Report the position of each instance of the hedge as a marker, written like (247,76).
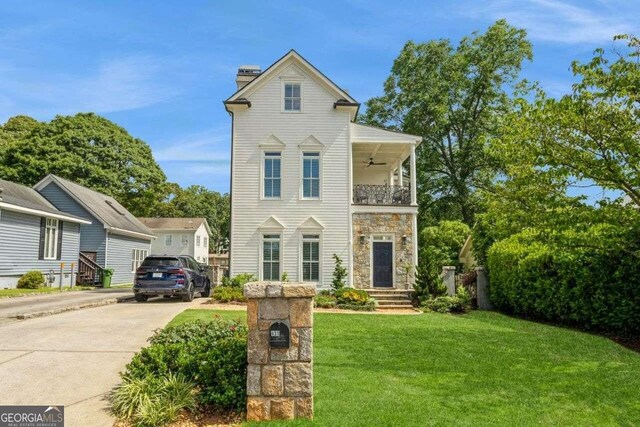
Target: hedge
(589,286)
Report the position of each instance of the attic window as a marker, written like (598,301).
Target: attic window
(110,203)
(292,97)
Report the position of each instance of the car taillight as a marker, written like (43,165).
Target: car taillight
(176,272)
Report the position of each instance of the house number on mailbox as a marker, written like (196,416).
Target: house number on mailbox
(279,335)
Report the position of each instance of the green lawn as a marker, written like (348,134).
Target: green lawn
(8,293)
(478,369)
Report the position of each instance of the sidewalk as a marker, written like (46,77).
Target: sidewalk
(47,304)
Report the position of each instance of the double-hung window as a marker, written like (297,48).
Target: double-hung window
(272,174)
(185,240)
(311,175)
(51,239)
(271,257)
(198,241)
(292,97)
(137,256)
(168,239)
(310,258)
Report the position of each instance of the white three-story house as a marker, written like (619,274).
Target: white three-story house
(308,182)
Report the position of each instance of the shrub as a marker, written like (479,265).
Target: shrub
(228,294)
(568,281)
(153,401)
(339,274)
(445,304)
(31,280)
(352,296)
(354,299)
(238,281)
(212,355)
(325,301)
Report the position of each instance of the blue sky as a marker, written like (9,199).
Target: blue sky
(162,69)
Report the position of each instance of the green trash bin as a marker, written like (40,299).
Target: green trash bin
(106,277)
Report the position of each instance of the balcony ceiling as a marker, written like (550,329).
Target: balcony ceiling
(381,153)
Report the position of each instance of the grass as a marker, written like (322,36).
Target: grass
(9,293)
(483,368)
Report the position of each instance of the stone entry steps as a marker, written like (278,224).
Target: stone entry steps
(391,299)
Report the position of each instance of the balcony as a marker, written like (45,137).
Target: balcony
(389,195)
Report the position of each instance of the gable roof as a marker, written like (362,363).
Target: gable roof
(175,224)
(292,56)
(20,198)
(105,209)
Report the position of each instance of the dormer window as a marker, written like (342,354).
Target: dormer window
(292,97)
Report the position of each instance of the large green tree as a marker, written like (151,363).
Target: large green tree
(87,149)
(551,147)
(454,97)
(198,201)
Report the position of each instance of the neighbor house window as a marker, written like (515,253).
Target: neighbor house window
(185,240)
(168,239)
(51,239)
(271,257)
(311,175)
(198,241)
(272,174)
(292,97)
(137,256)
(310,258)
(206,243)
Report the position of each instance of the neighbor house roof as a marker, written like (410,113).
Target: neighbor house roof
(105,209)
(20,198)
(175,224)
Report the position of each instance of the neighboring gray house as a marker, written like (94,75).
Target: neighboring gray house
(115,238)
(34,235)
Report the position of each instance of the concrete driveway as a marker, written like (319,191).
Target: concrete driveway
(73,358)
(36,305)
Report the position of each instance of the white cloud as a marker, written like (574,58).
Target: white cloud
(558,21)
(211,145)
(114,85)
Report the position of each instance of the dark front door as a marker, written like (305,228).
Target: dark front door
(383,264)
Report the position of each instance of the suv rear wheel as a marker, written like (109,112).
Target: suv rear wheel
(188,297)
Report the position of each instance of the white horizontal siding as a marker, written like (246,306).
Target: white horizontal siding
(20,244)
(252,127)
(175,248)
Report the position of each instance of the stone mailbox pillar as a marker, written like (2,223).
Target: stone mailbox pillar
(279,350)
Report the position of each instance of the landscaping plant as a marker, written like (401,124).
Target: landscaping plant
(339,274)
(31,280)
(208,356)
(232,289)
(153,401)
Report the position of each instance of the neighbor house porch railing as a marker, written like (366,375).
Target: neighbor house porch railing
(364,194)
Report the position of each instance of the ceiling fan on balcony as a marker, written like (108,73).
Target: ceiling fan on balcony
(372,163)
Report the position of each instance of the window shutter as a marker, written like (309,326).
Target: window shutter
(43,225)
(60,239)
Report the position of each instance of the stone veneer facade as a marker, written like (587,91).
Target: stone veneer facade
(369,224)
(279,380)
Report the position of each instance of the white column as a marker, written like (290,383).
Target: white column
(390,176)
(412,165)
(400,177)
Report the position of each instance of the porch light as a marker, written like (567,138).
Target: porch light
(362,239)
(404,240)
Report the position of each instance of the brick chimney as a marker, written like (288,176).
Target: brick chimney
(246,73)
